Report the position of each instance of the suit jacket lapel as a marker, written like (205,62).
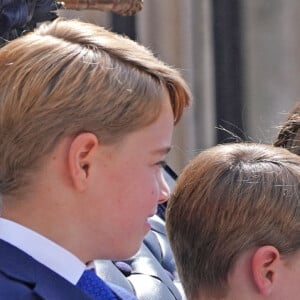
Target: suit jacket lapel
(46,283)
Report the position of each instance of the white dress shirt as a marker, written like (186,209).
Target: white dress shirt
(43,250)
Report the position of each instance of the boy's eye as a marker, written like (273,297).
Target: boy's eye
(161,163)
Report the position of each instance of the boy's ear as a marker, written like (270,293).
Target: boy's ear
(81,152)
(265,268)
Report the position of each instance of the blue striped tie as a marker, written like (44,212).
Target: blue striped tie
(95,287)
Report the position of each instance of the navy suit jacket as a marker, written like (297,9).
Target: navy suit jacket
(24,278)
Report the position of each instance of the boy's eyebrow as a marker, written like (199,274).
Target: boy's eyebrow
(162,151)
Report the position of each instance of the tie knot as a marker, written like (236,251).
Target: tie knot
(94,286)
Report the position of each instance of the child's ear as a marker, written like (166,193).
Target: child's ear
(265,268)
(80,157)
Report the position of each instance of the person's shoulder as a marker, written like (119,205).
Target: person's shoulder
(121,292)
(11,289)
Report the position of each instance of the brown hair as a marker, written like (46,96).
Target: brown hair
(70,77)
(289,135)
(229,199)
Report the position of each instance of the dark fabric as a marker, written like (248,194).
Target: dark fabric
(24,278)
(13,15)
(91,284)
(45,10)
(20,16)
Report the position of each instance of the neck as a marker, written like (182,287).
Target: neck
(47,210)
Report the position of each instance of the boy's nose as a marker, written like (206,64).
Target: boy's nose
(165,191)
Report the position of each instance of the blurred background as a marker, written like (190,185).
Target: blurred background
(240,58)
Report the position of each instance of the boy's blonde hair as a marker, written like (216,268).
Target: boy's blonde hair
(70,77)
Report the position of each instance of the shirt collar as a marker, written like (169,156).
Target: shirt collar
(45,251)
